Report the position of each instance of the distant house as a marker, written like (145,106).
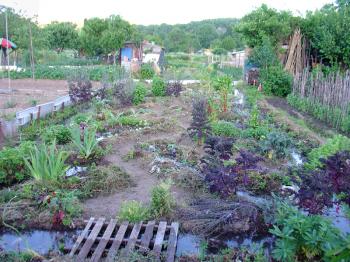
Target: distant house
(132,56)
(154,54)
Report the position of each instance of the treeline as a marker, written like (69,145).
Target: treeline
(98,36)
(326,30)
(218,34)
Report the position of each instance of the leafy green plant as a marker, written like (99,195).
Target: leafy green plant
(332,146)
(276,145)
(276,81)
(223,85)
(84,139)
(224,128)
(80,87)
(133,212)
(158,86)
(147,71)
(46,163)
(304,238)
(139,94)
(12,165)
(60,133)
(64,206)
(161,200)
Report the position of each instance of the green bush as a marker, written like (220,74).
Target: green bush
(276,81)
(147,71)
(161,200)
(46,163)
(133,212)
(331,147)
(12,165)
(158,86)
(60,133)
(139,94)
(223,128)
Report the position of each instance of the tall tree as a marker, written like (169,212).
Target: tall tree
(266,22)
(91,36)
(61,35)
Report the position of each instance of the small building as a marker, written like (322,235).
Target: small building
(238,58)
(130,56)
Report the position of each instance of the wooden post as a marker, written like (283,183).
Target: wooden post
(38,114)
(2,136)
(31,51)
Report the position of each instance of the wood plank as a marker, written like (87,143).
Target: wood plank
(81,237)
(132,239)
(147,236)
(91,239)
(117,241)
(158,243)
(170,256)
(103,242)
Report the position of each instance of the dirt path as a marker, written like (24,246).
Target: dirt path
(138,169)
(296,121)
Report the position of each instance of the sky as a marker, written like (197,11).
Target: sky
(152,11)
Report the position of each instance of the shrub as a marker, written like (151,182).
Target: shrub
(161,200)
(80,87)
(276,81)
(147,71)
(276,145)
(12,165)
(133,212)
(332,146)
(60,133)
(46,163)
(264,55)
(158,86)
(84,138)
(223,128)
(173,88)
(139,94)
(302,237)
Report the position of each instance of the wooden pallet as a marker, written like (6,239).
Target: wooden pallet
(108,239)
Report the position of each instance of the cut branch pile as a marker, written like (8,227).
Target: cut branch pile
(215,217)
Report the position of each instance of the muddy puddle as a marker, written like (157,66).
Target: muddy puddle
(190,244)
(41,241)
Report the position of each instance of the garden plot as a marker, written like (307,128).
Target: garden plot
(216,160)
(27,93)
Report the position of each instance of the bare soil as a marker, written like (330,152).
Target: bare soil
(24,91)
(172,123)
